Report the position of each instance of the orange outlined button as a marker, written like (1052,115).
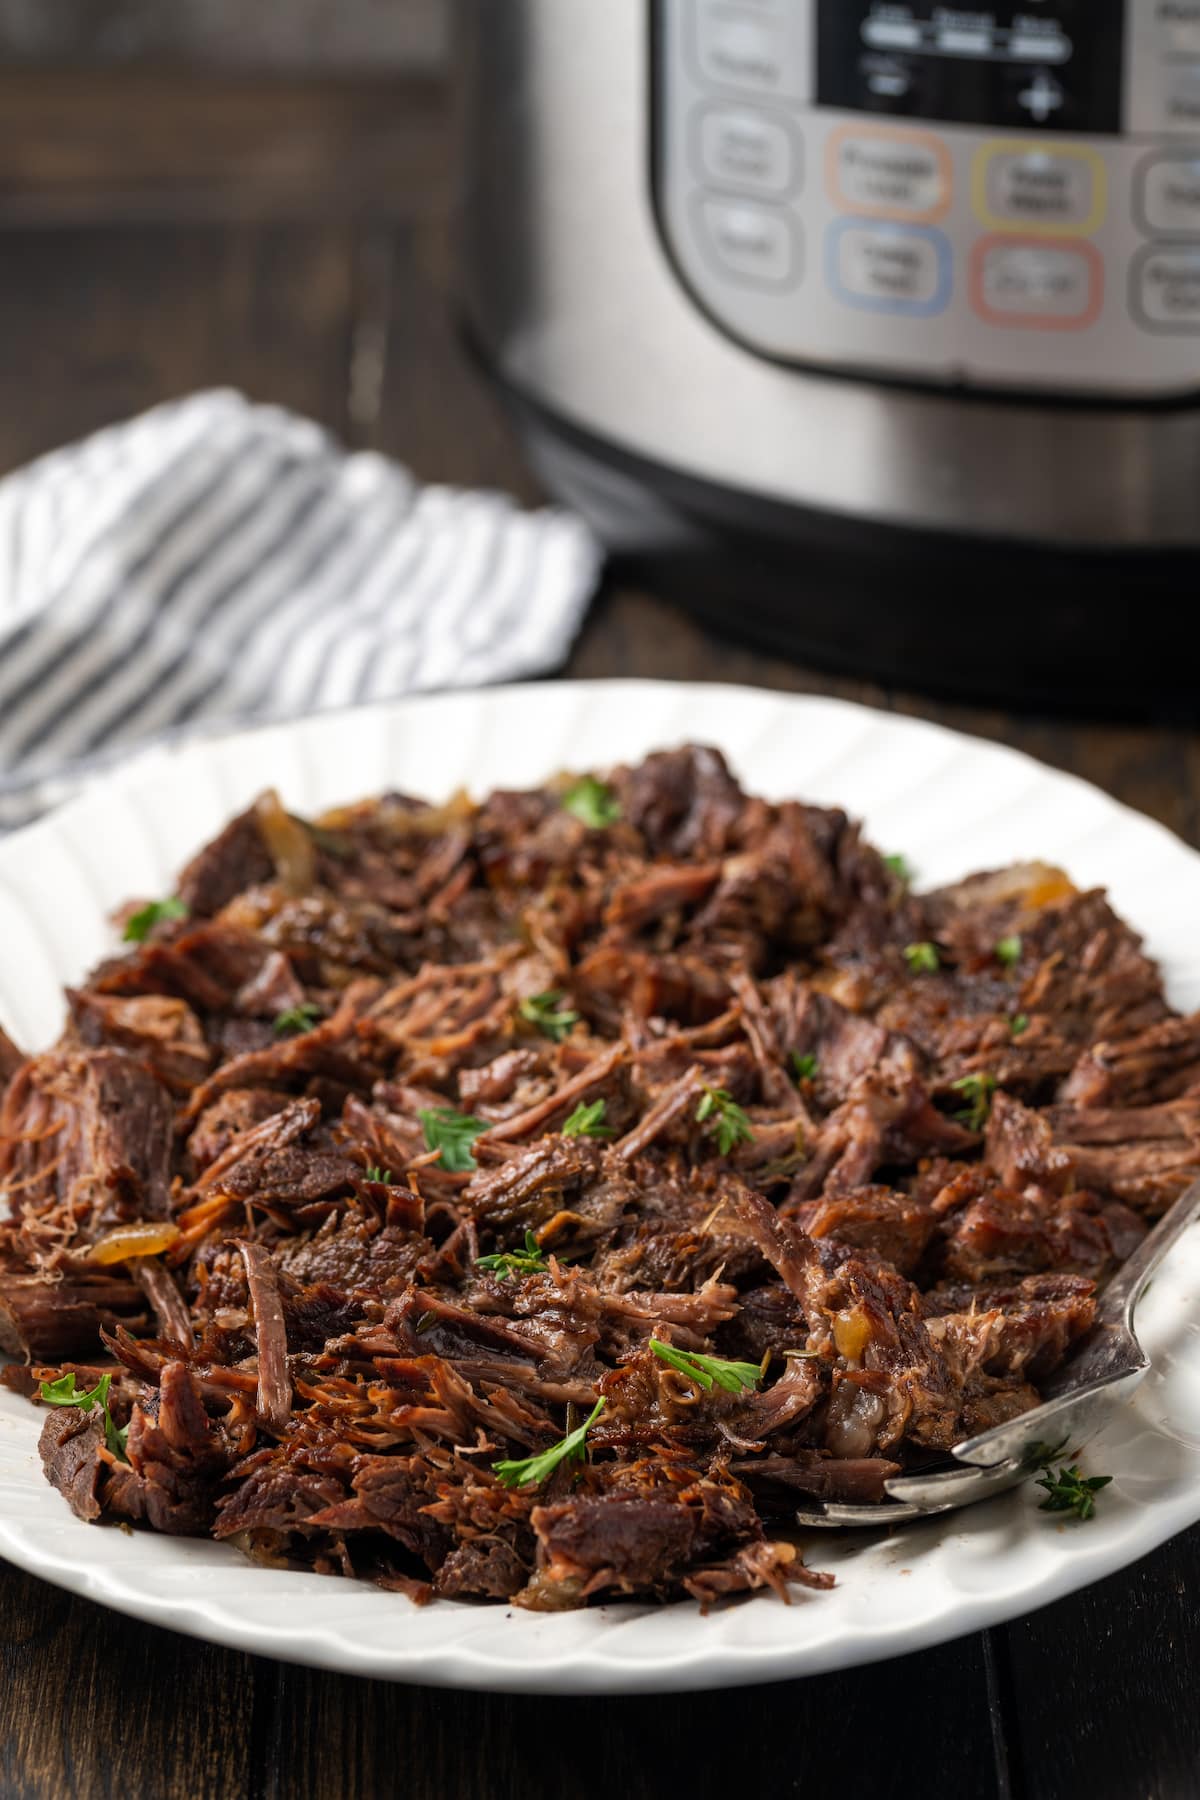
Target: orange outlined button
(1039,283)
(1035,188)
(904,175)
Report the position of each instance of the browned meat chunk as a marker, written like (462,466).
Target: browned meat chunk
(237,858)
(89,1130)
(71,1448)
(1157,1064)
(892,1225)
(163,1033)
(1144,1156)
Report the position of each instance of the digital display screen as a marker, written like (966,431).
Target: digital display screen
(1043,67)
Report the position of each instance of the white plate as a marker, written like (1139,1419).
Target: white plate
(951,805)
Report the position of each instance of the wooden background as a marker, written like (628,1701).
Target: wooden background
(292,238)
(369,36)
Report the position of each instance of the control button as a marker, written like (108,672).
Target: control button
(734,147)
(889,174)
(1181,96)
(739,48)
(1045,286)
(1179,27)
(1165,286)
(1028,187)
(1167,200)
(889,268)
(1162,76)
(758,244)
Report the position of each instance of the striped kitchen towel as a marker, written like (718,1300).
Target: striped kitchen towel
(216,560)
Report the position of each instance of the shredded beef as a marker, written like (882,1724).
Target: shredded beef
(449,1131)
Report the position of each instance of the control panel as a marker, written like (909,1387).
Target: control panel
(1007,195)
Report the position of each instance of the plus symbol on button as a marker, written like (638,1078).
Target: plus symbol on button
(1042,97)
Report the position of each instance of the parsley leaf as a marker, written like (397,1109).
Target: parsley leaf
(805,1067)
(297,1019)
(729,1124)
(1070,1492)
(977,1091)
(901,868)
(710,1371)
(922,959)
(1008,950)
(529,1261)
(532,1470)
(452,1133)
(64,1392)
(587,1121)
(141,924)
(592,802)
(551,1019)
(1020,1024)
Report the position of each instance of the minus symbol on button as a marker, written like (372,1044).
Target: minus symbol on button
(1043,48)
(956,42)
(892,34)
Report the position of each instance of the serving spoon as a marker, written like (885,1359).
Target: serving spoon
(1108,1365)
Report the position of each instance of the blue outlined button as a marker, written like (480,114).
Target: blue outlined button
(890,268)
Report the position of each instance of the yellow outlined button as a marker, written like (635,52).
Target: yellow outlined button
(1032,187)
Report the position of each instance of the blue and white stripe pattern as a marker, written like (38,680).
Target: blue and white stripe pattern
(216,560)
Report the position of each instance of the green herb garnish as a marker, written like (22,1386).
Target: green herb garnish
(587,1121)
(725,1118)
(139,927)
(1008,950)
(900,868)
(551,1019)
(977,1091)
(1070,1492)
(529,1261)
(1020,1024)
(297,1018)
(592,802)
(710,1371)
(532,1470)
(64,1392)
(922,959)
(805,1067)
(452,1133)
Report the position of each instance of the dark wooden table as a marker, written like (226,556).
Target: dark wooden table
(157,236)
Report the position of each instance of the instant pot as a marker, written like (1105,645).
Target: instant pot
(872,329)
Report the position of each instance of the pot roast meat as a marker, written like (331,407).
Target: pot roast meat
(236,859)
(72,1451)
(1144,1156)
(174,1460)
(432,1129)
(47,1316)
(1159,1063)
(10,1060)
(87,1133)
(270,1333)
(893,1225)
(164,1033)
